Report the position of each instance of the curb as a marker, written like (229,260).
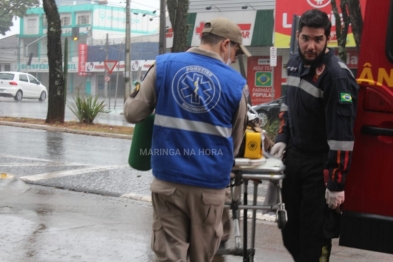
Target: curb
(65,130)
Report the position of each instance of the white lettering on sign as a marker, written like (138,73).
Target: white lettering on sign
(261,68)
(263,61)
(318,3)
(352,60)
(262,95)
(261,89)
(285,23)
(246,34)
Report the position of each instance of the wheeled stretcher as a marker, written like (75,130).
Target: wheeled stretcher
(255,170)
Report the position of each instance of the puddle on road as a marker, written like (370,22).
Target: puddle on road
(11,186)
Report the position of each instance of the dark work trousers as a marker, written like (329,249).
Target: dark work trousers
(303,193)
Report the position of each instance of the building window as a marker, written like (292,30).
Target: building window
(5,67)
(23,78)
(33,80)
(32,26)
(83,19)
(65,20)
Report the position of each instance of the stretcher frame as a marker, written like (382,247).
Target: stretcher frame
(245,170)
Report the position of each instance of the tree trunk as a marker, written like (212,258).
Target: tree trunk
(355,13)
(341,27)
(351,13)
(56,102)
(178,10)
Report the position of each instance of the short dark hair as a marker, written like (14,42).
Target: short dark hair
(209,38)
(316,19)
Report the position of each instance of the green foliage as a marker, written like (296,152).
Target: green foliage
(5,23)
(271,128)
(10,9)
(86,109)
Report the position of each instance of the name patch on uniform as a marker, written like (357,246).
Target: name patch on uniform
(346,98)
(136,90)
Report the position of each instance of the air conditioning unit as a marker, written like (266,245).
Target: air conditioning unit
(102,2)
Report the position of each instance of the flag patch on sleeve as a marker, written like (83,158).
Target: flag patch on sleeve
(345,98)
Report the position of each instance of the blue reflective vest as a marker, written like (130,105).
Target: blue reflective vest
(197,97)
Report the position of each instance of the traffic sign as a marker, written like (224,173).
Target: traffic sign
(110,65)
(273,56)
(107,78)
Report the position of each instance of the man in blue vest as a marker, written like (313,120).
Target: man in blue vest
(200,118)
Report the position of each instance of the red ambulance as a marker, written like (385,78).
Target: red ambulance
(367,220)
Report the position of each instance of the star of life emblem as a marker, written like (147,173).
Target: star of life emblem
(196,89)
(318,3)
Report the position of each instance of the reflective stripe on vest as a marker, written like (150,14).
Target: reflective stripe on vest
(189,125)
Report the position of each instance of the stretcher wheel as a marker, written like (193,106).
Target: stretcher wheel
(281,218)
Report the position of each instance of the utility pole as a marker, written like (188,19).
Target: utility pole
(162,40)
(106,71)
(117,76)
(127,62)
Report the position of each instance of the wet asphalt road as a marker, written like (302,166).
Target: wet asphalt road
(78,162)
(49,224)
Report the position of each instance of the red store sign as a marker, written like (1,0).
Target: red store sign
(286,9)
(82,59)
(264,81)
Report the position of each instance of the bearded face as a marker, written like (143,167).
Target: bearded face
(314,62)
(312,45)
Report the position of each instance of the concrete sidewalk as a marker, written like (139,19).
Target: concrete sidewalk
(65,130)
(38,110)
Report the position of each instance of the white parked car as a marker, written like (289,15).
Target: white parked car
(21,85)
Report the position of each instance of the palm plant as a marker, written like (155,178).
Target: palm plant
(86,109)
(271,128)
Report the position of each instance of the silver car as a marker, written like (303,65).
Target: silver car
(21,85)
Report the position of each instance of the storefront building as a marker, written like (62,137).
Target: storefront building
(94,22)
(266,28)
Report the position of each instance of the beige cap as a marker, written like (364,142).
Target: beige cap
(224,27)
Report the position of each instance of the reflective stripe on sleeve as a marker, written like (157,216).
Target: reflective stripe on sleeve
(341,145)
(293,80)
(283,107)
(190,125)
(343,65)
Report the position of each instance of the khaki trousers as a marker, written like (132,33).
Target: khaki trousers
(186,222)
(227,221)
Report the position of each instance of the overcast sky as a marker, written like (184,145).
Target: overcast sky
(137,4)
